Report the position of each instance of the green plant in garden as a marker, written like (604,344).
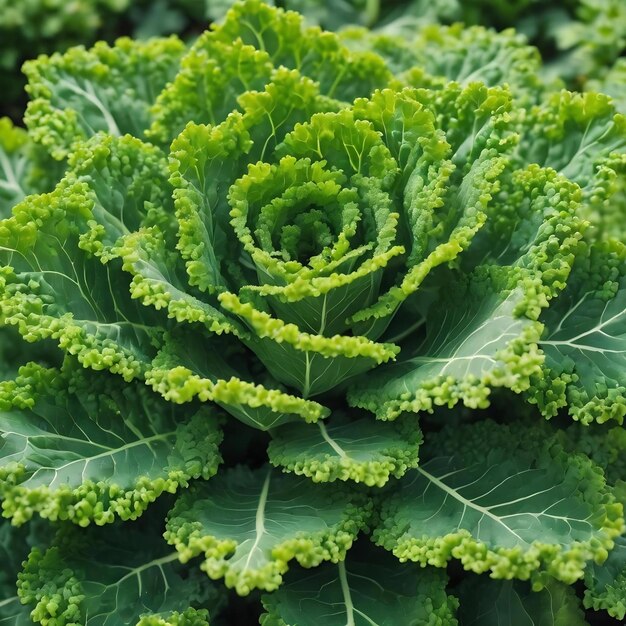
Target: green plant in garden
(265,308)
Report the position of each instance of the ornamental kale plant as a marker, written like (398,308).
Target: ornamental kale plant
(327,328)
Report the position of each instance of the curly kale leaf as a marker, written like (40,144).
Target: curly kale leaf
(361,449)
(75,446)
(60,275)
(239,56)
(14,166)
(583,137)
(433,55)
(311,285)
(368,590)
(478,329)
(24,167)
(230,377)
(584,340)
(474,340)
(249,524)
(606,583)
(107,88)
(15,544)
(98,577)
(502,501)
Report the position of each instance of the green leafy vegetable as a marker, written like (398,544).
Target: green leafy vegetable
(485,602)
(460,505)
(108,88)
(606,583)
(351,592)
(584,341)
(251,524)
(96,452)
(344,449)
(385,266)
(98,578)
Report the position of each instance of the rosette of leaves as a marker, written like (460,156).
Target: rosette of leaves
(289,229)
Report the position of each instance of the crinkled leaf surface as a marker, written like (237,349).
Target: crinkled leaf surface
(478,54)
(105,577)
(505,506)
(74,446)
(362,450)
(60,278)
(469,345)
(248,524)
(15,544)
(107,88)
(606,583)
(239,55)
(480,330)
(575,134)
(187,368)
(435,55)
(584,340)
(292,292)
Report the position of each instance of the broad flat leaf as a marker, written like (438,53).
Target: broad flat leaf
(505,503)
(474,339)
(362,450)
(106,577)
(375,591)
(74,446)
(107,88)
(584,340)
(486,602)
(606,583)
(248,524)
